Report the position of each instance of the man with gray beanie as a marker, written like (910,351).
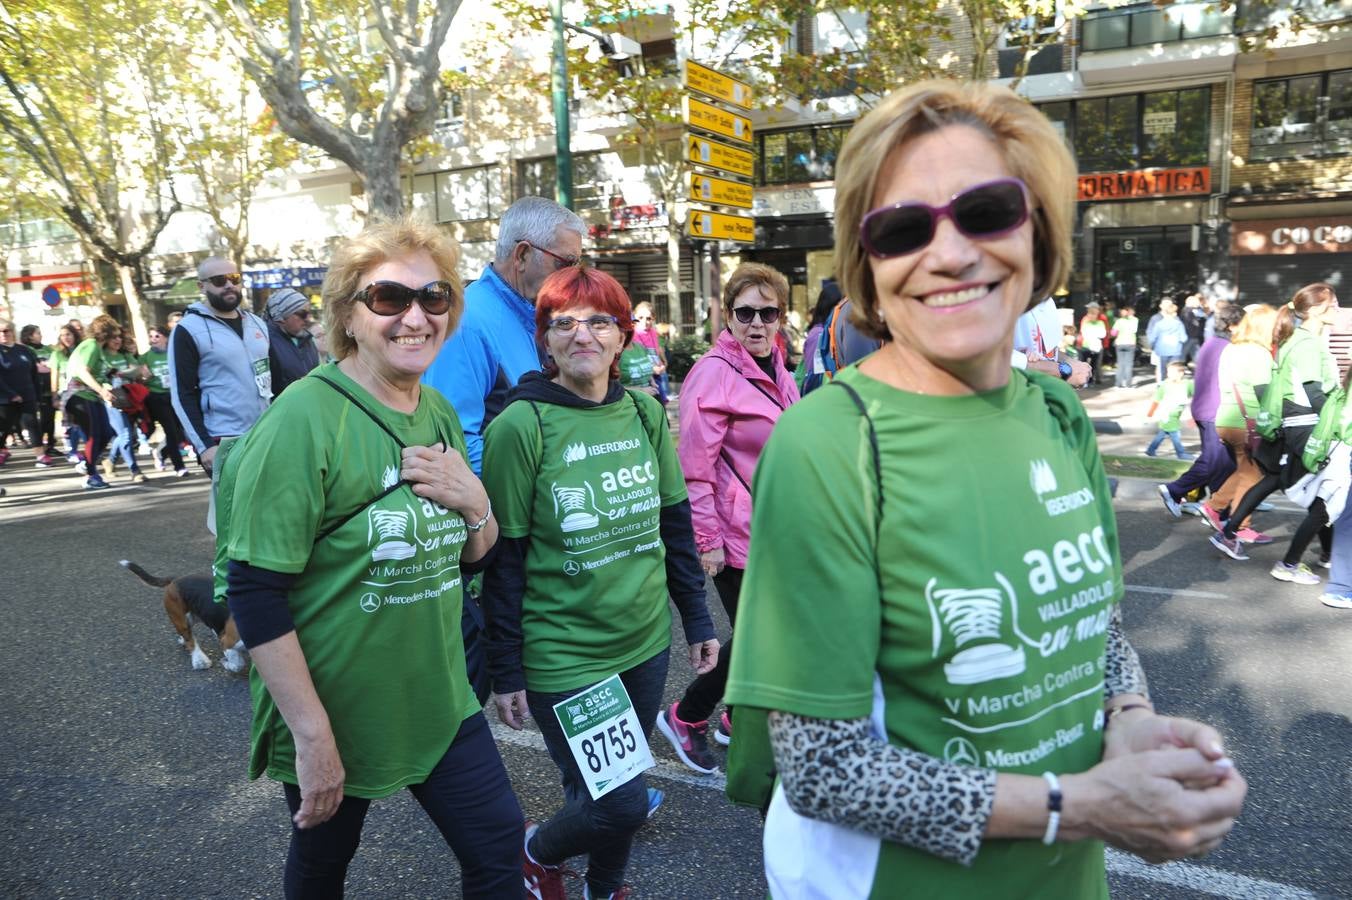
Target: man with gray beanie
(291,348)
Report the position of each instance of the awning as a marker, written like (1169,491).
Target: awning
(289,276)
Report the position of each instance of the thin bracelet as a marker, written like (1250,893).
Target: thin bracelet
(1118,710)
(1053,808)
(479,525)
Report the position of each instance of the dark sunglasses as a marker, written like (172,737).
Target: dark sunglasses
(390,298)
(560,262)
(220,280)
(983,212)
(745,314)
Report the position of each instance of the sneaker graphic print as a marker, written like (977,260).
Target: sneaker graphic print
(973,616)
(572,503)
(393,528)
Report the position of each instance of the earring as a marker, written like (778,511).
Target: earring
(349,333)
(881,318)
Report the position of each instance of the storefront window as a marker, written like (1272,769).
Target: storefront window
(1105,134)
(1174,128)
(794,157)
(1136,131)
(1306,116)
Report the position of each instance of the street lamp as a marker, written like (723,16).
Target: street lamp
(616,47)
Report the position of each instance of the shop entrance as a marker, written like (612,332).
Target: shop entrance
(1140,266)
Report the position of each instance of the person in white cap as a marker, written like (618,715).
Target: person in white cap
(291,347)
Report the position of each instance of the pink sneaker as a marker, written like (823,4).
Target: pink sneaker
(690,740)
(1249,536)
(1211,517)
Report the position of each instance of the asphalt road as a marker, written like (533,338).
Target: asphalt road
(122,769)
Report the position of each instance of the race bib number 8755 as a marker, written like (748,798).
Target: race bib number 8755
(603,734)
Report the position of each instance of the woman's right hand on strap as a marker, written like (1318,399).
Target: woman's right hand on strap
(512,709)
(320,773)
(1139,803)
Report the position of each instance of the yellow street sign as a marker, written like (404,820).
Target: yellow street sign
(716,119)
(712,226)
(716,155)
(713,83)
(719,191)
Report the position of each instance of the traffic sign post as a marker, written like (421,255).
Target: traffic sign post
(712,83)
(713,191)
(715,226)
(717,155)
(716,120)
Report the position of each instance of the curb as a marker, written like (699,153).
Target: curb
(1113,426)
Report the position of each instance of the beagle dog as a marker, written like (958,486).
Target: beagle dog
(192,597)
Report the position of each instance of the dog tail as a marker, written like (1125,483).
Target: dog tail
(144,575)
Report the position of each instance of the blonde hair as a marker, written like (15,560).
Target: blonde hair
(1032,150)
(749,274)
(103,329)
(382,241)
(1266,326)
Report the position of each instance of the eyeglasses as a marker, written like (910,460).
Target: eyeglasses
(560,262)
(598,325)
(747,314)
(390,298)
(220,280)
(984,212)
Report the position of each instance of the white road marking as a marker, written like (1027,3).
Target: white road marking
(1190,875)
(1176,592)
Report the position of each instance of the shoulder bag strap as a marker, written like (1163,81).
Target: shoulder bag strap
(877,466)
(768,395)
(394,437)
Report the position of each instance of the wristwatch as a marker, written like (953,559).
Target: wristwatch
(1064,368)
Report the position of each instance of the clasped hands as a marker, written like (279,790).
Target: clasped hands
(1164,790)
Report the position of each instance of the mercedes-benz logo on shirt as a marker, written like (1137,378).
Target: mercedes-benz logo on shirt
(370,602)
(571,568)
(961,751)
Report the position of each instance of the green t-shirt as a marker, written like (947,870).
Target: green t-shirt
(972,629)
(157,361)
(587,487)
(1310,360)
(377,604)
(119,363)
(1243,368)
(636,366)
(90,355)
(1172,398)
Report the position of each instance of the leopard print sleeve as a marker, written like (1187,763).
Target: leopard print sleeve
(835,770)
(1122,672)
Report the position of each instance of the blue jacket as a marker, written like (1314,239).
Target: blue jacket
(485,358)
(1167,336)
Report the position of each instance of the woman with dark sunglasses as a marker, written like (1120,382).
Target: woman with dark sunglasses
(596,537)
(730,401)
(929,638)
(348,521)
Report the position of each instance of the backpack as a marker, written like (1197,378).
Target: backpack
(1268,419)
(1326,432)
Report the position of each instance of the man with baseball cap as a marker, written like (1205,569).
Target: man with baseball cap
(291,348)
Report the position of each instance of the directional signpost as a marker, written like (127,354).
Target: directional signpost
(719,141)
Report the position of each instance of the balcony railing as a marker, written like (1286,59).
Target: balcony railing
(1141,26)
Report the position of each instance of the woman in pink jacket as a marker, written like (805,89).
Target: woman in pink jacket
(730,401)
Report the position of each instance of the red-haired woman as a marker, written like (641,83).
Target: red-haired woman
(596,532)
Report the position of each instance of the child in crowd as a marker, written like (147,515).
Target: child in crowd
(1068,341)
(1171,397)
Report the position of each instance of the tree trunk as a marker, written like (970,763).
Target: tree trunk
(383,196)
(126,277)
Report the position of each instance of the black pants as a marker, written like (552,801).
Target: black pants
(467,796)
(603,829)
(707,689)
(93,421)
(161,409)
(1316,522)
(42,430)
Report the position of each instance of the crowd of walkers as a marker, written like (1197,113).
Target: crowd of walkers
(1265,383)
(364,516)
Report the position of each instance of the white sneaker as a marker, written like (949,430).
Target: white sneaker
(1337,601)
(1297,574)
(1170,503)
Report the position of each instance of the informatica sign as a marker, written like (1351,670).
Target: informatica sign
(1143,183)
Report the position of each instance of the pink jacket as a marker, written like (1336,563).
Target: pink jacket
(728,407)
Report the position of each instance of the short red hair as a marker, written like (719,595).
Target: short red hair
(575,286)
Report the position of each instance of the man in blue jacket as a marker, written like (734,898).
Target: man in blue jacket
(495,343)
